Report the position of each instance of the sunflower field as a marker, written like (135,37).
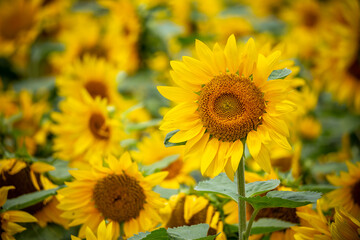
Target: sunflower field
(180,119)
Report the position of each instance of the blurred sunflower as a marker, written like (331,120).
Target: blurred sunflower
(347,195)
(85,130)
(9,218)
(281,213)
(341,68)
(224,99)
(94,75)
(104,232)
(345,226)
(118,193)
(152,150)
(28,178)
(187,210)
(316,225)
(19,25)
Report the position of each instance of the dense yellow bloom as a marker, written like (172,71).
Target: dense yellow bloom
(224,98)
(347,195)
(87,125)
(9,218)
(28,178)
(152,150)
(187,210)
(118,193)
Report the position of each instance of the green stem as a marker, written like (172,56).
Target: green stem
(241,191)
(121,237)
(250,223)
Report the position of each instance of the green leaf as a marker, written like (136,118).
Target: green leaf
(163,163)
(51,231)
(165,192)
(61,172)
(323,188)
(159,234)
(279,74)
(286,199)
(35,84)
(259,187)
(29,199)
(167,139)
(189,232)
(266,225)
(220,184)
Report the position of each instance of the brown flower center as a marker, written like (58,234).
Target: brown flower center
(98,127)
(174,169)
(310,18)
(355,193)
(23,185)
(285,214)
(96,88)
(96,51)
(17,21)
(230,107)
(354,68)
(119,197)
(177,217)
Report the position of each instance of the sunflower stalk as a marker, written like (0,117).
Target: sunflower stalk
(250,223)
(240,173)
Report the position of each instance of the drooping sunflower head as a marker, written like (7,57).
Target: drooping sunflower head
(89,126)
(118,193)
(225,100)
(187,210)
(152,150)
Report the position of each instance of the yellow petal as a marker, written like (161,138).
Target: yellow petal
(156,178)
(3,194)
(263,159)
(177,94)
(237,154)
(20,216)
(249,58)
(232,54)
(41,167)
(182,136)
(19,165)
(90,235)
(253,142)
(209,154)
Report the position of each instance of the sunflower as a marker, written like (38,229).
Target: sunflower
(24,18)
(347,195)
(345,226)
(285,214)
(187,210)
(338,67)
(224,99)
(85,130)
(104,232)
(315,225)
(28,178)
(152,150)
(118,193)
(9,218)
(94,75)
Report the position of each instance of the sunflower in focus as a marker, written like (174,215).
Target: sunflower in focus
(104,232)
(225,100)
(347,196)
(118,193)
(88,125)
(9,218)
(94,75)
(345,226)
(152,150)
(28,178)
(187,210)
